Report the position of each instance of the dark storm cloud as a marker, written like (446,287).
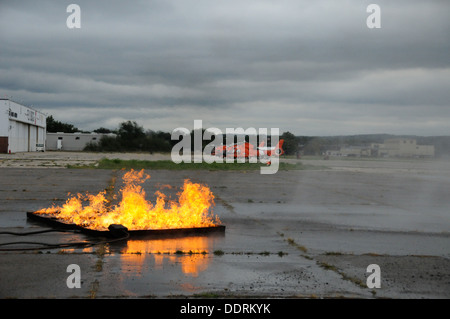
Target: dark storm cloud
(311,67)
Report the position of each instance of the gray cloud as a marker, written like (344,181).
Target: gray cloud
(310,67)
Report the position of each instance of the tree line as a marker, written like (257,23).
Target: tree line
(131,137)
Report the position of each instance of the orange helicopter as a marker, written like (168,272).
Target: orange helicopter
(247,150)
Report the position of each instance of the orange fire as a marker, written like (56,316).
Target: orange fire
(193,208)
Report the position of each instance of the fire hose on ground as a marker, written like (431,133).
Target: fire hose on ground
(118,232)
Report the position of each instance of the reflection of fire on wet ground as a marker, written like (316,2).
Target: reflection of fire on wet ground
(193,253)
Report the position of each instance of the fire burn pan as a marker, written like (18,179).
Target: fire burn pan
(149,233)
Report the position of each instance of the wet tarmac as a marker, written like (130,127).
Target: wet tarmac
(309,233)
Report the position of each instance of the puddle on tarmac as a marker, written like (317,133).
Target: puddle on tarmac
(161,265)
(191,255)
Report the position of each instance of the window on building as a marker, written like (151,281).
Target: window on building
(77,138)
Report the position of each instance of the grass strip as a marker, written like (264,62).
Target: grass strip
(169,165)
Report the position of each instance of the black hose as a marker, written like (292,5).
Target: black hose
(126,235)
(32,232)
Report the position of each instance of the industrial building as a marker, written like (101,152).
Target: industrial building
(394,147)
(72,141)
(356,151)
(22,128)
(402,147)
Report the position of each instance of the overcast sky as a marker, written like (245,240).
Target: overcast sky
(309,67)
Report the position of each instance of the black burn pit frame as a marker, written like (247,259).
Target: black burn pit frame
(115,230)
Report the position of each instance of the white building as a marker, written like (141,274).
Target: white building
(402,147)
(72,141)
(394,147)
(355,151)
(22,128)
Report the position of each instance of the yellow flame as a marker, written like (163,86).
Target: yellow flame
(193,208)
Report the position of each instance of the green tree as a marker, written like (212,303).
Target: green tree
(131,136)
(103,130)
(290,145)
(157,141)
(54,126)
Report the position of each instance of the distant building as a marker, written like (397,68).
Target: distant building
(402,147)
(395,147)
(332,153)
(350,151)
(355,151)
(72,141)
(22,128)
